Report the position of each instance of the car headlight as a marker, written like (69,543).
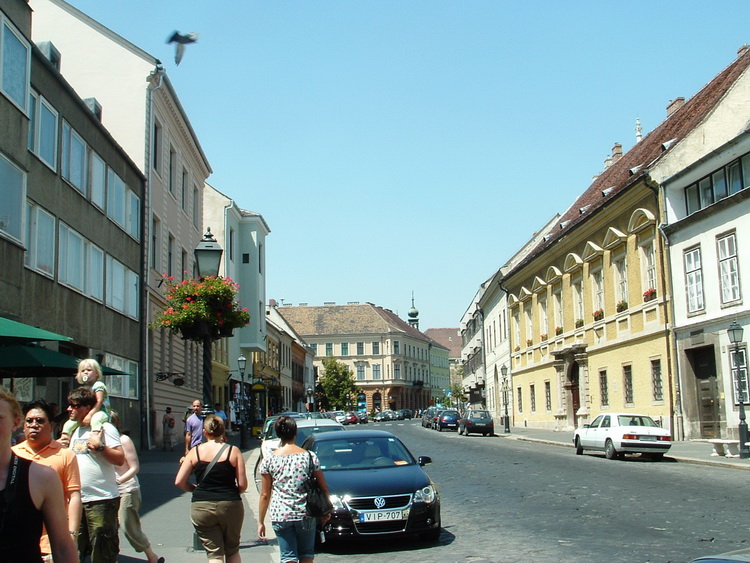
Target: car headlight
(337,501)
(426,494)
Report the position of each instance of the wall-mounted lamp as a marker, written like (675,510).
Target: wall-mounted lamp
(178,378)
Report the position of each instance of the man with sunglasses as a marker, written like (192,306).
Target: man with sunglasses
(98,454)
(41,448)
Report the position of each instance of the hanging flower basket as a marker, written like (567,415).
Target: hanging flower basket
(200,308)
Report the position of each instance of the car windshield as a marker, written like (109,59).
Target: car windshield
(449,413)
(362,453)
(303,432)
(480,414)
(635,420)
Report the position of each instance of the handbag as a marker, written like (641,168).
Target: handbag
(318,503)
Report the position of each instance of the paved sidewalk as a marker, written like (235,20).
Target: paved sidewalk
(690,451)
(166,513)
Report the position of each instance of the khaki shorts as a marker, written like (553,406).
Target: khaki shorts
(218,525)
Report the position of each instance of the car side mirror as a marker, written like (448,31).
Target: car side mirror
(424,460)
(587,426)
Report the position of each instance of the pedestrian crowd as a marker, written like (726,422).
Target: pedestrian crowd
(68,487)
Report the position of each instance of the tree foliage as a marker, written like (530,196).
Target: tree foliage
(337,381)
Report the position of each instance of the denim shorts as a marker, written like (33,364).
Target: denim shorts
(296,538)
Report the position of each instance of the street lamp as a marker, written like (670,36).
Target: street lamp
(735,332)
(244,439)
(207,258)
(310,400)
(506,389)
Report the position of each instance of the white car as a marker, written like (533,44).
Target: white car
(616,434)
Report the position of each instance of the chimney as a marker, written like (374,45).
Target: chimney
(616,152)
(674,105)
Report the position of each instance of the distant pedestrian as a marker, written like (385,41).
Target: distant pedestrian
(130,497)
(284,490)
(30,493)
(169,430)
(41,448)
(216,510)
(194,428)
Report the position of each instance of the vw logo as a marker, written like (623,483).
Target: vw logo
(379,502)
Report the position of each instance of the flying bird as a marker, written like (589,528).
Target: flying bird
(180,40)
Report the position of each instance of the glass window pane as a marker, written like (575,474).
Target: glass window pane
(746,171)
(11,196)
(47,134)
(98,180)
(693,200)
(15,68)
(720,184)
(735,178)
(707,194)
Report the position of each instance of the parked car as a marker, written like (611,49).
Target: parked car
(376,485)
(351,418)
(476,421)
(447,418)
(427,417)
(339,416)
(619,433)
(384,415)
(405,414)
(729,557)
(362,416)
(305,427)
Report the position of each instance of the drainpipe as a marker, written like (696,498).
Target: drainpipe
(675,400)
(146,437)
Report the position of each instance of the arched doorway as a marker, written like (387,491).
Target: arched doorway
(377,401)
(574,389)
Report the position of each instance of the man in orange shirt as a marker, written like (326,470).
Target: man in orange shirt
(39,447)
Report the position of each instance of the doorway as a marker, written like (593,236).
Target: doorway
(703,362)
(575,396)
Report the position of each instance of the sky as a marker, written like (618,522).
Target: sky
(412,147)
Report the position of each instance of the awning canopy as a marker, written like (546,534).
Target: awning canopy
(12,332)
(28,360)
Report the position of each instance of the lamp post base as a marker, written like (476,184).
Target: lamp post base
(744,451)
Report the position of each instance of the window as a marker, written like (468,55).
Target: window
(729,275)
(376,348)
(170,256)
(314,348)
(532,397)
(517,328)
(396,347)
(344,348)
(694,280)
(80,263)
(627,384)
(12,194)
(360,372)
(98,179)
(155,244)
(172,178)
(543,323)
(547,396)
(183,264)
(15,57)
(360,348)
(122,288)
(529,327)
(43,121)
(520,400)
(376,371)
(558,301)
(122,385)
(739,374)
(329,348)
(597,288)
(197,207)
(156,148)
(184,189)
(603,388)
(649,266)
(721,183)
(397,371)
(578,299)
(74,152)
(621,289)
(656,383)
(40,241)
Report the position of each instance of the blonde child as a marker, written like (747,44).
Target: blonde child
(90,373)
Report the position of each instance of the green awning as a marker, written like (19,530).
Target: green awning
(28,360)
(12,332)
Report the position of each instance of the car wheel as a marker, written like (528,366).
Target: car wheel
(657,456)
(432,535)
(579,448)
(439,428)
(610,451)
(486,434)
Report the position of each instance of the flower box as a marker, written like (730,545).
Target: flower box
(558,330)
(542,337)
(529,342)
(598,314)
(622,306)
(517,348)
(649,295)
(579,323)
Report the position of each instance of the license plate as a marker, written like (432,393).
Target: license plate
(479,424)
(648,438)
(381,515)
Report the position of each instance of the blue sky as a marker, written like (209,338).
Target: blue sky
(399,146)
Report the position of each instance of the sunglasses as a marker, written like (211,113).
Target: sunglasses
(37,420)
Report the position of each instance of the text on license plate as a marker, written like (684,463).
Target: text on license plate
(648,438)
(381,515)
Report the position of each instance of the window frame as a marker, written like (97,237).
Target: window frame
(696,304)
(22,102)
(731,261)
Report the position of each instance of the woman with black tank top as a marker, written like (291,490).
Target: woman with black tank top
(216,510)
(30,494)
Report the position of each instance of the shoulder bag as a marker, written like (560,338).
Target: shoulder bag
(210,466)
(318,503)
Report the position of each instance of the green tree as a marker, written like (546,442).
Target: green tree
(457,395)
(337,381)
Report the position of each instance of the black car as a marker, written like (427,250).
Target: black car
(376,485)
(476,421)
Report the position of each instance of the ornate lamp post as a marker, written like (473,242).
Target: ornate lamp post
(244,439)
(310,400)
(735,333)
(506,390)
(207,258)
